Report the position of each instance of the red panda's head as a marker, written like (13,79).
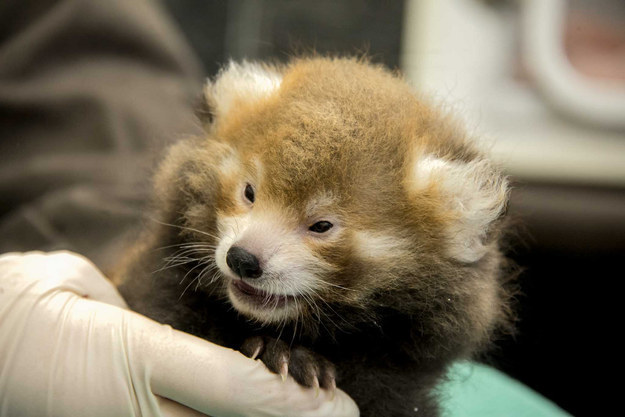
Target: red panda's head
(328,182)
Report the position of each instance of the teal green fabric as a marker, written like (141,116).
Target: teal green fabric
(475,390)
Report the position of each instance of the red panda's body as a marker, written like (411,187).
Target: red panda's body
(329,208)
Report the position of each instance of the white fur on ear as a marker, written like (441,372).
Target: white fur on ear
(247,81)
(476,192)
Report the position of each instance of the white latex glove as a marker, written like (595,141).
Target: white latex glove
(69,347)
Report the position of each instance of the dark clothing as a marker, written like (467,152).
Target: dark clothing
(90,91)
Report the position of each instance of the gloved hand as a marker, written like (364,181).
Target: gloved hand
(69,347)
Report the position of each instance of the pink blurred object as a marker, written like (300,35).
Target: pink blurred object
(595,46)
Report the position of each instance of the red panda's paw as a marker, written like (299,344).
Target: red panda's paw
(305,366)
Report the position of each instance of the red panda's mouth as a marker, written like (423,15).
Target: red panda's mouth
(258,297)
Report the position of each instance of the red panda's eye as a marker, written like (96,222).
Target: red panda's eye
(249,193)
(321,227)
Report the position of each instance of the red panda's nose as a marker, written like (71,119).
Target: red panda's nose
(243,263)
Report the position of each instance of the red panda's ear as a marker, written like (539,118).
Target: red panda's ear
(234,84)
(474,193)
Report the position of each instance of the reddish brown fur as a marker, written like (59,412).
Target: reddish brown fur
(354,131)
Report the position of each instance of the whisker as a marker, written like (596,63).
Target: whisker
(208,269)
(338,286)
(172,265)
(185,277)
(184,228)
(183,245)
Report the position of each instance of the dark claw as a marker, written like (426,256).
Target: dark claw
(305,366)
(253,347)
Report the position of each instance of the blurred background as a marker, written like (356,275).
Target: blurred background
(542,82)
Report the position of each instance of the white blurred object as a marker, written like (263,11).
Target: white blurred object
(465,55)
(68,347)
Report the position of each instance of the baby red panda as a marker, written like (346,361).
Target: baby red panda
(331,224)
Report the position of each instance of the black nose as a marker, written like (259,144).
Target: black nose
(243,263)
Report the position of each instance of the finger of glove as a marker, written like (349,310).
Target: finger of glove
(171,408)
(223,382)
